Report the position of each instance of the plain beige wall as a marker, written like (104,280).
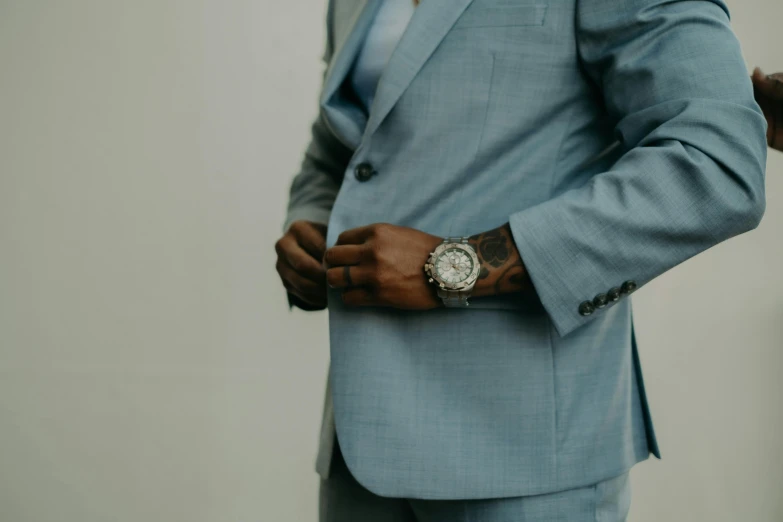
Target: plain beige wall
(149,367)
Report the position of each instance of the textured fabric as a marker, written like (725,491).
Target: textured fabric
(618,139)
(342,499)
(384,35)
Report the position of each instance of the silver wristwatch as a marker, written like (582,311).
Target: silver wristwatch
(454,269)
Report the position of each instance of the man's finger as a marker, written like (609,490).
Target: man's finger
(296,282)
(310,238)
(770,86)
(359,297)
(300,261)
(348,276)
(306,289)
(355,236)
(344,255)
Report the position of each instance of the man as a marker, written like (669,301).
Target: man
(539,161)
(769,95)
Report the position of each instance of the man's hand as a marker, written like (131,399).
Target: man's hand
(769,95)
(299,255)
(383,265)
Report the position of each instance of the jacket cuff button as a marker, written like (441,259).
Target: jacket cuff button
(586,308)
(628,287)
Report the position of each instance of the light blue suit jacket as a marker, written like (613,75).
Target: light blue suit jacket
(618,138)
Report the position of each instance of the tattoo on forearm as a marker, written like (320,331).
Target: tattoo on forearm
(512,277)
(493,247)
(502,270)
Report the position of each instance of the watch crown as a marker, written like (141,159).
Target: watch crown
(430,280)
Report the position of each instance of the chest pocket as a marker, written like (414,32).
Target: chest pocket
(502,16)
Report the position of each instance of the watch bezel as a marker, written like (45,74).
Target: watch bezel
(469,282)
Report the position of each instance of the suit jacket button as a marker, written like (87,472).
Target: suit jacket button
(601,300)
(363,172)
(613,295)
(586,308)
(628,287)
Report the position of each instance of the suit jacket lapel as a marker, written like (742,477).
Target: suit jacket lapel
(347,47)
(430,24)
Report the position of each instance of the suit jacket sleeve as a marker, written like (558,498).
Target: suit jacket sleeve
(692,175)
(314,189)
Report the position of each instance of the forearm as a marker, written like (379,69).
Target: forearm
(502,269)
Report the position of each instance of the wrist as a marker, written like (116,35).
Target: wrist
(501,268)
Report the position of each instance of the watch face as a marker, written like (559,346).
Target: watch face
(454,266)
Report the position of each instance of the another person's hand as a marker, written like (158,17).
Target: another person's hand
(383,265)
(769,95)
(299,262)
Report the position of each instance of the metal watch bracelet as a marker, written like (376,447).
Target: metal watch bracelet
(454,298)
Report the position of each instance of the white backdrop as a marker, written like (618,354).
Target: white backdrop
(149,367)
